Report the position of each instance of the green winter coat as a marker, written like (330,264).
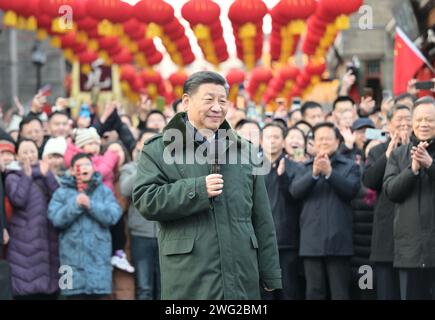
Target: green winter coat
(220,249)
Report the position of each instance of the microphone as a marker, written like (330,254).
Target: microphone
(215,166)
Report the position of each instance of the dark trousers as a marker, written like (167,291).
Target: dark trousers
(145,258)
(387,281)
(38,296)
(291,288)
(118,235)
(323,271)
(87,297)
(417,284)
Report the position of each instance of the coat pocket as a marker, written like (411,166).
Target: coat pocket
(253,237)
(179,246)
(251,231)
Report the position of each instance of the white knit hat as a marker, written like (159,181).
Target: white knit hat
(85,136)
(55,146)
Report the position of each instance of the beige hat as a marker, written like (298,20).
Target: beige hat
(85,136)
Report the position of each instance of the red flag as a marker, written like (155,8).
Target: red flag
(407,60)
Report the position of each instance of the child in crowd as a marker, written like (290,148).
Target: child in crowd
(88,141)
(84,209)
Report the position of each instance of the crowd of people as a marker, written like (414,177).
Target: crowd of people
(349,187)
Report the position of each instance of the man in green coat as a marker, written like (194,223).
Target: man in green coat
(217,238)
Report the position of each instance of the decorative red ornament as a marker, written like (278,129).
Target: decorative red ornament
(156,11)
(51,7)
(201,11)
(12,5)
(134,29)
(235,76)
(124,56)
(330,9)
(88,57)
(244,11)
(127,73)
(106,43)
(113,10)
(178,78)
(32,8)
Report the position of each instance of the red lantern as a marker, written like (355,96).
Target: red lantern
(51,7)
(330,9)
(115,50)
(258,75)
(155,58)
(245,11)
(315,69)
(106,43)
(156,11)
(79,47)
(12,5)
(114,10)
(137,85)
(183,44)
(287,10)
(200,12)
(88,57)
(147,46)
(128,73)
(79,9)
(288,72)
(134,29)
(235,76)
(32,8)
(151,76)
(124,56)
(87,24)
(188,57)
(178,78)
(173,27)
(68,40)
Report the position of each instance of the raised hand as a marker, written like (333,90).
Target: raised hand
(27,167)
(44,167)
(421,155)
(83,200)
(393,144)
(281,167)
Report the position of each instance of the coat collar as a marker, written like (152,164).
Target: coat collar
(70,182)
(415,141)
(178,122)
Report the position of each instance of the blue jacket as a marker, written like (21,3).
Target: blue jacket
(85,241)
(326,218)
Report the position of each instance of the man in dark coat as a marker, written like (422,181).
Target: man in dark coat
(327,187)
(409,182)
(217,239)
(285,209)
(382,245)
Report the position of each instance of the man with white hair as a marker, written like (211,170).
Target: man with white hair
(409,182)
